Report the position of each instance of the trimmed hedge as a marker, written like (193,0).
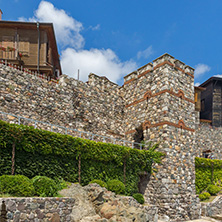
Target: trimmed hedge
(213,189)
(116,186)
(204,196)
(208,172)
(139,197)
(40,152)
(44,186)
(18,185)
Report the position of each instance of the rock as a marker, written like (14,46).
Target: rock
(83,206)
(108,210)
(95,203)
(55,218)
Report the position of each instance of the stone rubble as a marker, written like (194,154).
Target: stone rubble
(105,206)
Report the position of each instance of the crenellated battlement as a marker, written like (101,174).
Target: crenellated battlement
(160,62)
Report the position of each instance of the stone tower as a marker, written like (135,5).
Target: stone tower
(160,100)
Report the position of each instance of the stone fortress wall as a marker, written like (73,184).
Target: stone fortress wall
(161,99)
(208,138)
(157,98)
(96,106)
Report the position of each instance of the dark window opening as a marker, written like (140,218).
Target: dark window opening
(208,154)
(138,136)
(202,105)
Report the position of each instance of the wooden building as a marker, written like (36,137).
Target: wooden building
(197,96)
(211,101)
(31,45)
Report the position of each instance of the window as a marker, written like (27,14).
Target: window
(24,46)
(208,154)
(8,44)
(202,105)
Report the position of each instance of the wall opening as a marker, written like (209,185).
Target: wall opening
(138,136)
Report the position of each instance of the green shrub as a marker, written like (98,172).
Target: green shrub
(116,186)
(44,186)
(100,182)
(213,189)
(208,172)
(139,197)
(61,183)
(17,185)
(204,196)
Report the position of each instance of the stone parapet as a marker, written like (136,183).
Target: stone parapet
(38,209)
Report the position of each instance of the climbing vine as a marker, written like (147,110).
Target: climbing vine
(40,152)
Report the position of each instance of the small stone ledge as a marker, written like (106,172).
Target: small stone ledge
(213,208)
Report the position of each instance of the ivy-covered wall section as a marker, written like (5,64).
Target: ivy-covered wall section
(30,152)
(208,172)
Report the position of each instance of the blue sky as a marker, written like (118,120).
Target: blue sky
(114,37)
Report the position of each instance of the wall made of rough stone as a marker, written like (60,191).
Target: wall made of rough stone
(162,101)
(95,106)
(208,138)
(159,97)
(213,208)
(38,209)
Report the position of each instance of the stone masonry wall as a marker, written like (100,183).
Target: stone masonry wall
(38,209)
(95,106)
(208,138)
(80,204)
(159,97)
(213,208)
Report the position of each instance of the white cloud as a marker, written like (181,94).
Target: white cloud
(95,28)
(197,84)
(73,57)
(200,69)
(145,53)
(103,62)
(67,29)
(218,75)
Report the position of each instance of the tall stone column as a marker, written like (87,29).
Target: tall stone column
(161,99)
(173,126)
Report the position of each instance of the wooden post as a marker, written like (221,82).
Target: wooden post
(13,158)
(124,171)
(79,168)
(212,173)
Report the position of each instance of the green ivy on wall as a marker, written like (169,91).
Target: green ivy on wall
(208,172)
(40,152)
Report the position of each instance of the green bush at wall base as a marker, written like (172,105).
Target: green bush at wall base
(39,152)
(208,172)
(44,186)
(139,197)
(116,186)
(17,185)
(213,189)
(204,196)
(100,182)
